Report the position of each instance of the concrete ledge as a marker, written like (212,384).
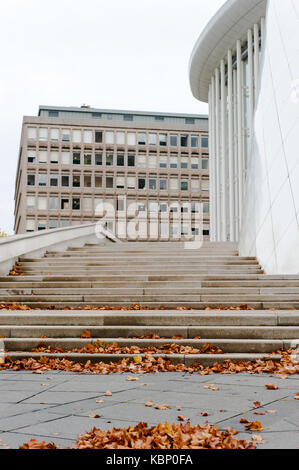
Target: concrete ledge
(35,244)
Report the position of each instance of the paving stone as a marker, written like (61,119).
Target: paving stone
(15,439)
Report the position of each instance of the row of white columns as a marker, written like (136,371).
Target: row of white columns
(232,94)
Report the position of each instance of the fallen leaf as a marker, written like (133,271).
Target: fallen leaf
(271,387)
(92,415)
(137,359)
(149,403)
(271,411)
(259,413)
(132,379)
(100,401)
(182,418)
(161,407)
(204,413)
(257,404)
(86,334)
(257,438)
(108,393)
(244,420)
(296,396)
(254,426)
(211,387)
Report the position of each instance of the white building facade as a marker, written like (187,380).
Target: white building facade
(246,65)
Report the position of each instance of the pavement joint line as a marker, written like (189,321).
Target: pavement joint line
(40,435)
(40,422)
(41,391)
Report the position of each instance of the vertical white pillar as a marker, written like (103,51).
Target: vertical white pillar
(217,153)
(250,82)
(240,130)
(213,175)
(230,147)
(223,154)
(236,160)
(256,58)
(263,31)
(211,170)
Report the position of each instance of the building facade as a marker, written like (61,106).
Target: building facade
(146,175)
(246,65)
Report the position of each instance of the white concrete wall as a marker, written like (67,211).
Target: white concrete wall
(270,228)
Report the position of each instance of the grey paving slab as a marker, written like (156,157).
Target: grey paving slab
(15,439)
(14,423)
(50,397)
(15,409)
(274,440)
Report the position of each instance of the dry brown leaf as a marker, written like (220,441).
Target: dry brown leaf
(271,387)
(161,407)
(92,415)
(211,387)
(182,418)
(100,401)
(86,334)
(244,420)
(108,393)
(296,396)
(254,426)
(257,438)
(149,403)
(204,413)
(257,404)
(132,379)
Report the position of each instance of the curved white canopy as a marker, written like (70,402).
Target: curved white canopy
(229,24)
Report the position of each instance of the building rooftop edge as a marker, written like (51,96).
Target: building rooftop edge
(230,23)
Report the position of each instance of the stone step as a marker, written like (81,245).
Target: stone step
(120,331)
(227,346)
(204,359)
(148,262)
(150,317)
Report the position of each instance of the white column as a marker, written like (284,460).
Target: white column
(240,130)
(263,30)
(256,57)
(251,82)
(217,153)
(213,175)
(211,172)
(236,161)
(230,147)
(223,154)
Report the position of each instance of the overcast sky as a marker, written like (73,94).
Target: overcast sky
(124,54)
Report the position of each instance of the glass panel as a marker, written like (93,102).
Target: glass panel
(43,134)
(66,135)
(42,179)
(205,142)
(141,138)
(131,160)
(109,136)
(42,203)
(194,163)
(184,141)
(141,159)
(53,180)
(98,182)
(98,159)
(30,202)
(31,133)
(141,183)
(87,159)
(53,203)
(77,137)
(109,182)
(194,141)
(152,162)
(120,138)
(163,184)
(76,158)
(65,180)
(152,139)
(153,184)
(184,185)
(163,162)
(88,137)
(98,137)
(76,181)
(109,159)
(174,140)
(163,140)
(65,204)
(87,181)
(76,204)
(54,135)
(173,162)
(120,159)
(131,138)
(205,164)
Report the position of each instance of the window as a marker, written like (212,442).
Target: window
(194,141)
(87,159)
(184,162)
(77,137)
(184,231)
(54,180)
(43,156)
(53,114)
(194,207)
(42,179)
(206,233)
(54,157)
(76,204)
(87,181)
(64,223)
(43,134)
(65,204)
(120,205)
(76,181)
(109,182)
(163,207)
(195,186)
(30,202)
(30,225)
(173,162)
(131,138)
(53,203)
(184,141)
(120,138)
(159,118)
(184,185)
(153,206)
(174,230)
(96,115)
(195,231)
(31,133)
(31,156)
(131,182)
(141,159)
(65,158)
(141,206)
(152,184)
(206,208)
(164,230)
(54,135)
(128,117)
(205,142)
(205,163)
(120,159)
(53,224)
(190,121)
(163,140)
(141,183)
(42,203)
(174,184)
(131,160)
(98,159)
(98,181)
(109,159)
(120,182)
(76,158)
(174,140)
(152,161)
(194,163)
(141,138)
(163,162)
(65,180)
(163,184)
(109,137)
(41,225)
(66,135)
(184,210)
(87,136)
(152,139)
(98,137)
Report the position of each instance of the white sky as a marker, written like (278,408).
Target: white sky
(124,54)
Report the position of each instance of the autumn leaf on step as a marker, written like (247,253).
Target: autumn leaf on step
(108,393)
(132,379)
(244,420)
(257,404)
(211,387)
(204,413)
(271,387)
(92,415)
(182,418)
(86,334)
(137,359)
(254,426)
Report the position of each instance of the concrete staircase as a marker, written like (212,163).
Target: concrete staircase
(153,275)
